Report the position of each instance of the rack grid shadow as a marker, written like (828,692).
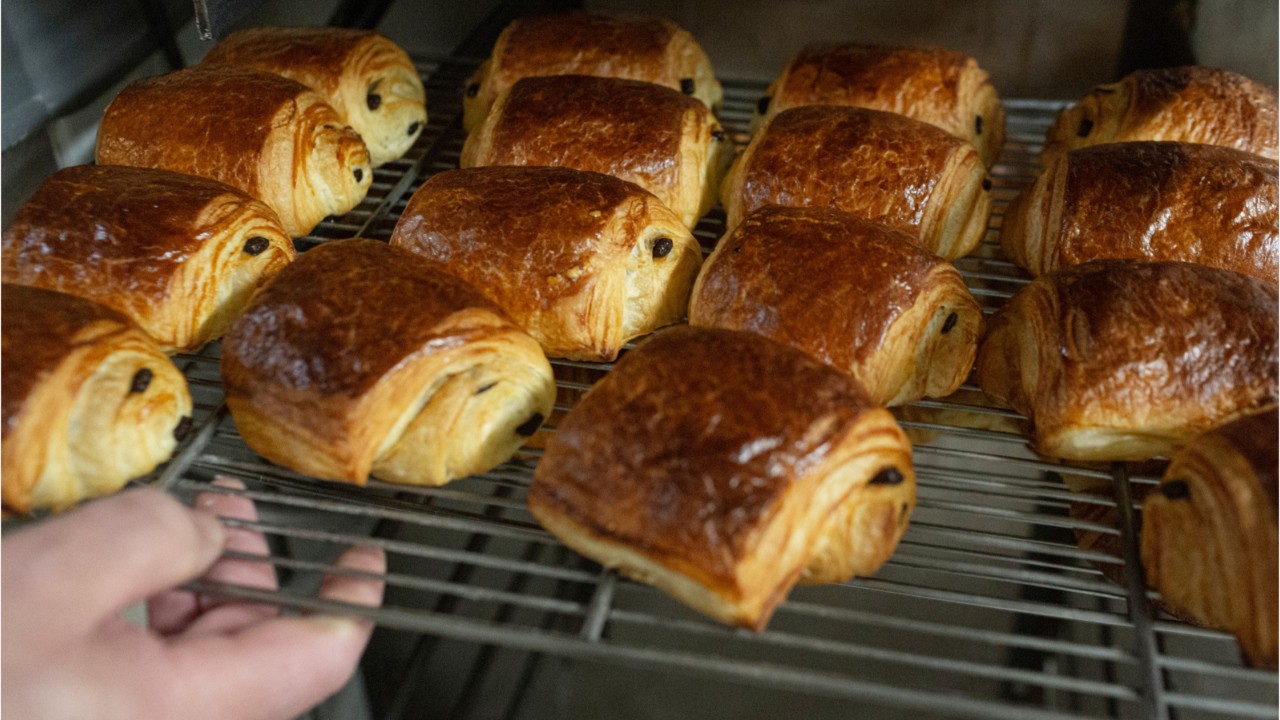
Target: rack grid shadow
(1005,599)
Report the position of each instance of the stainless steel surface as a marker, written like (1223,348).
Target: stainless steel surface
(989,608)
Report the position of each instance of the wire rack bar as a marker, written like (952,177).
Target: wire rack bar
(756,673)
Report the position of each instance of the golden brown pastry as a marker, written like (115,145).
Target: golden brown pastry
(367,78)
(179,254)
(944,88)
(876,165)
(1128,360)
(1149,200)
(665,142)
(360,357)
(89,400)
(1209,535)
(632,47)
(264,134)
(583,261)
(1182,104)
(722,467)
(859,296)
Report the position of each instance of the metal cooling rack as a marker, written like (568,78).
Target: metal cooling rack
(990,607)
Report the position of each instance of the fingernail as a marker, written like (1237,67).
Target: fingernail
(210,529)
(335,624)
(226,481)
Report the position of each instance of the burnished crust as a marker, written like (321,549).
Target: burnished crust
(80,419)
(944,88)
(264,134)
(1209,538)
(1149,200)
(568,254)
(880,312)
(1127,360)
(170,251)
(360,357)
(632,47)
(1181,104)
(720,467)
(665,142)
(346,67)
(876,165)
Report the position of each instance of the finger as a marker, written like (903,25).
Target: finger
(283,666)
(177,610)
(78,568)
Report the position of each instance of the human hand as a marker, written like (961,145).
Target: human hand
(68,652)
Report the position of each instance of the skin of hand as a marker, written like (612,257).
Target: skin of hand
(69,653)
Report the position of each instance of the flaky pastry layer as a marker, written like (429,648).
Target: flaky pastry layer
(1181,104)
(1209,534)
(944,88)
(262,133)
(1149,201)
(364,358)
(632,47)
(584,262)
(875,165)
(655,137)
(366,77)
(721,467)
(1128,360)
(179,254)
(89,400)
(896,317)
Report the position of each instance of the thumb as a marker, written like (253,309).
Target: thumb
(83,566)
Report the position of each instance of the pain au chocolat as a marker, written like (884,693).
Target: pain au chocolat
(944,88)
(632,47)
(1209,534)
(179,254)
(89,400)
(1182,104)
(583,261)
(896,317)
(876,165)
(1149,200)
(1128,360)
(723,467)
(368,79)
(363,358)
(655,137)
(262,133)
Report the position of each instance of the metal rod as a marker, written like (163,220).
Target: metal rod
(598,611)
(1140,611)
(759,674)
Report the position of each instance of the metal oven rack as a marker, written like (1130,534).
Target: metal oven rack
(991,607)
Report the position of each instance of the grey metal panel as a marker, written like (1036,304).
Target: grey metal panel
(59,54)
